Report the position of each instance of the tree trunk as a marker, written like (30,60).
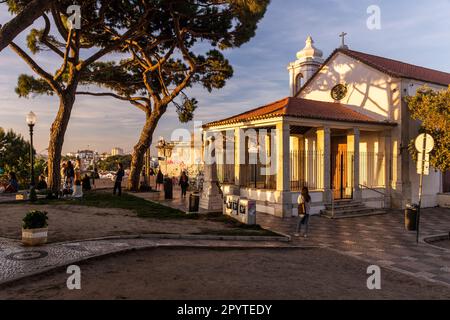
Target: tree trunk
(22,21)
(56,142)
(145,140)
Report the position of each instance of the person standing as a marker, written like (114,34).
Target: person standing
(184,184)
(78,169)
(304,208)
(119,177)
(64,175)
(70,175)
(95,175)
(159,179)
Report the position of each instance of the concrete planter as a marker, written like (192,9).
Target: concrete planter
(34,237)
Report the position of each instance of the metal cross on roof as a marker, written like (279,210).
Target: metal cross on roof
(342,35)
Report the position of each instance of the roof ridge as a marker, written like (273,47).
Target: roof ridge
(302,108)
(252,110)
(390,59)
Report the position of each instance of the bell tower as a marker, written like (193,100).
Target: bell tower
(309,60)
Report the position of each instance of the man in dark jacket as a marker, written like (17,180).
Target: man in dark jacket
(118,183)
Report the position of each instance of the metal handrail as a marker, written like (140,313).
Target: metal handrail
(374,190)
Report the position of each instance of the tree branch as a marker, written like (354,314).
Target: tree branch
(186,55)
(36,68)
(44,38)
(22,21)
(111,47)
(133,100)
(66,57)
(58,22)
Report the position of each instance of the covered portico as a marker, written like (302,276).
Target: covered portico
(270,153)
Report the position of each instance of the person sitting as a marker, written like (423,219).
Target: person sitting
(86,183)
(42,184)
(13,185)
(77,190)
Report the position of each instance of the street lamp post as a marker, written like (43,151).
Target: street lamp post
(31,121)
(166,148)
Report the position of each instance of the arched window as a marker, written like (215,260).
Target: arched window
(299,81)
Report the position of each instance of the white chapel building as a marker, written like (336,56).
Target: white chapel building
(343,133)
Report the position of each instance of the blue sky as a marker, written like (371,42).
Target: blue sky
(416,32)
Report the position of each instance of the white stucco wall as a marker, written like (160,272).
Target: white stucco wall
(369,91)
(432,184)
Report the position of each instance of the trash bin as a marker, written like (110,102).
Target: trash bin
(411,217)
(194,200)
(168,189)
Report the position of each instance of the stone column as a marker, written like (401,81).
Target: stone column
(386,134)
(283,157)
(239,155)
(353,149)
(283,205)
(324,165)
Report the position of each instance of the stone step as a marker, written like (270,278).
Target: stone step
(346,205)
(346,212)
(355,215)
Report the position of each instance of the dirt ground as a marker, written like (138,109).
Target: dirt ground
(72,222)
(443,244)
(225,274)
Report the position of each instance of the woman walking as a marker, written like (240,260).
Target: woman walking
(304,207)
(184,184)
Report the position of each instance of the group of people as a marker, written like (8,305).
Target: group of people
(73,183)
(183,182)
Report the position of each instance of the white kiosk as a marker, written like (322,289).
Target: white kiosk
(241,209)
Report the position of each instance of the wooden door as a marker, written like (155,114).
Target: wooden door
(339,167)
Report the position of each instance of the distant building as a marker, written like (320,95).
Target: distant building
(87,157)
(117,152)
(104,156)
(177,156)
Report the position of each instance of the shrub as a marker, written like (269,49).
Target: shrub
(35,219)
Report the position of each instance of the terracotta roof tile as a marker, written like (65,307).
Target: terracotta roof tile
(401,69)
(301,108)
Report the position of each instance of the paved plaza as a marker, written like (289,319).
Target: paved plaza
(380,240)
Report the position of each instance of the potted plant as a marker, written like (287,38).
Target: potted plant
(34,228)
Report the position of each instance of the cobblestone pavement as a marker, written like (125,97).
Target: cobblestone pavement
(380,240)
(17,261)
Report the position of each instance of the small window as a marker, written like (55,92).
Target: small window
(299,81)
